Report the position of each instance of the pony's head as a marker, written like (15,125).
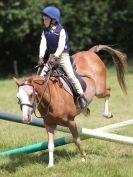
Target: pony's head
(26,98)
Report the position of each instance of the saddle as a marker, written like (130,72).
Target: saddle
(58,72)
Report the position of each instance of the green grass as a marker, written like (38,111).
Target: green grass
(103,158)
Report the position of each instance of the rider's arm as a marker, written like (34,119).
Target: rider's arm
(43,46)
(61,43)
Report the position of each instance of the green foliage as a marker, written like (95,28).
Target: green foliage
(20,18)
(87,22)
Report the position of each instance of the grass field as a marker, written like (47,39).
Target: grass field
(104,159)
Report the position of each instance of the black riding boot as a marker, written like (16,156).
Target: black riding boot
(83,103)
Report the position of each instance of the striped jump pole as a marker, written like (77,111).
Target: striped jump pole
(39,123)
(35,121)
(93,133)
(38,146)
(69,139)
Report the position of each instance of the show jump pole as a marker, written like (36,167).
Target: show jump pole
(85,132)
(38,146)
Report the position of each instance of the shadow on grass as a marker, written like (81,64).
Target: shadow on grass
(22,160)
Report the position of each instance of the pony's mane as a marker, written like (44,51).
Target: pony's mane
(30,79)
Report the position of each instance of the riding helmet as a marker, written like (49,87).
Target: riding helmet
(52,12)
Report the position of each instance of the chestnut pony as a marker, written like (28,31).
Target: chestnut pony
(57,106)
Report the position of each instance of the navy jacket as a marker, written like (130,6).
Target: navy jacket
(52,39)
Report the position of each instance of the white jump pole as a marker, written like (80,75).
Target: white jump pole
(96,133)
(106,136)
(116,125)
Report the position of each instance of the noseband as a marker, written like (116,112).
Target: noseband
(26,104)
(34,105)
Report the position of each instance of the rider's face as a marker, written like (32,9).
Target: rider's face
(46,21)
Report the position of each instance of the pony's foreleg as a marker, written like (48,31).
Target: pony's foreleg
(107,113)
(50,131)
(76,138)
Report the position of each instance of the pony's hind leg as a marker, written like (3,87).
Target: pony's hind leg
(76,138)
(106,112)
(106,96)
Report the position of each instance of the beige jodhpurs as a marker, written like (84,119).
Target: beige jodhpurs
(64,61)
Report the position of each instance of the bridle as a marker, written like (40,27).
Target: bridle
(35,104)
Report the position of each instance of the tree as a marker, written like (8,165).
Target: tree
(87,22)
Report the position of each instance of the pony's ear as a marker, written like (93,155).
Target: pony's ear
(16,81)
(30,79)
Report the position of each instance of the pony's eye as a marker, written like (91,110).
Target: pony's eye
(31,95)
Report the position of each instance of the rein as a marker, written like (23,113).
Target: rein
(39,99)
(46,85)
(34,105)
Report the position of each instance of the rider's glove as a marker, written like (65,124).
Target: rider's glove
(40,61)
(53,60)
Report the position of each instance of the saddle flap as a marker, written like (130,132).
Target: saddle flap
(59,72)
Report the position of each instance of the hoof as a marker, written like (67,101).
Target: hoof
(83,159)
(50,165)
(108,116)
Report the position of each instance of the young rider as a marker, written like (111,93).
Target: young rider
(55,40)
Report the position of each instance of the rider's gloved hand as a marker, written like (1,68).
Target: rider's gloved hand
(53,60)
(40,61)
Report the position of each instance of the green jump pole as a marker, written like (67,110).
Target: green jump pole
(35,121)
(15,118)
(87,133)
(38,147)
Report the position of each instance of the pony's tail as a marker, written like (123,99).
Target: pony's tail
(120,63)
